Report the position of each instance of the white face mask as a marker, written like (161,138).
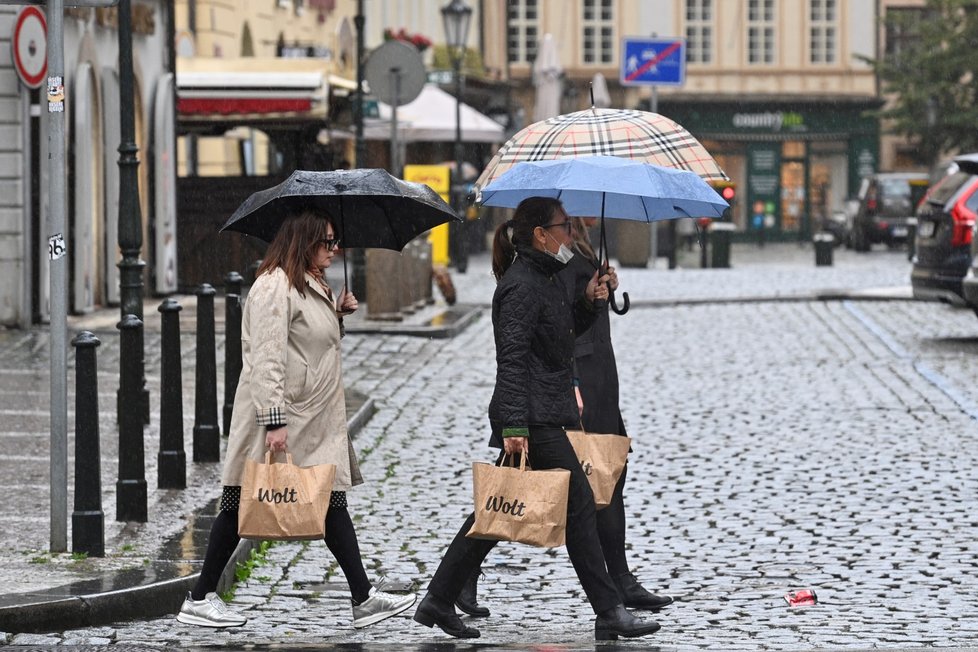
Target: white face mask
(563,254)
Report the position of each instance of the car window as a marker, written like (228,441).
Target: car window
(895,188)
(947,186)
(972,201)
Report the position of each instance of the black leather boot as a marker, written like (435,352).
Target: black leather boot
(433,611)
(467,601)
(634,595)
(618,621)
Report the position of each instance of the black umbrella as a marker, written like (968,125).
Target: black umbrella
(369,207)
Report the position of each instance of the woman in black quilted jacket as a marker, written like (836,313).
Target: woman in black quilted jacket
(597,384)
(535,325)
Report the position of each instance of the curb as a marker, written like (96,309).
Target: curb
(83,604)
(883,294)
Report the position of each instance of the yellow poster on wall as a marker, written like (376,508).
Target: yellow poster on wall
(439,178)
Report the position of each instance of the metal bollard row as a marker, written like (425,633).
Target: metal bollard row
(399,284)
(87,518)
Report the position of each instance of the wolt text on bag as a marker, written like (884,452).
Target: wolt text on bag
(519,504)
(603,459)
(284,502)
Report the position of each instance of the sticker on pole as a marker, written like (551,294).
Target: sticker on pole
(30,46)
(56,95)
(57,247)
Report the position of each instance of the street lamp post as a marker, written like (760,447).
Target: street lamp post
(456,16)
(133,397)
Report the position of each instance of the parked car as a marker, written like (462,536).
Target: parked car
(886,207)
(945,235)
(969,163)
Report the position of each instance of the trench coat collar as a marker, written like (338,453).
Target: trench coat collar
(318,288)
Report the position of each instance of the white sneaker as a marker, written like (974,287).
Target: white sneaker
(209,612)
(379,606)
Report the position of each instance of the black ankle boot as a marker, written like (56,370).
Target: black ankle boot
(618,621)
(468,600)
(433,611)
(634,596)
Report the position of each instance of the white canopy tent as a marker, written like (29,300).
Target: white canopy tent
(431,117)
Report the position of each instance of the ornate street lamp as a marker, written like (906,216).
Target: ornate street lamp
(456,16)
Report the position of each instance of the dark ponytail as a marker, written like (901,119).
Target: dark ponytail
(531,213)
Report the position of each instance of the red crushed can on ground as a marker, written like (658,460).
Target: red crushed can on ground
(802,598)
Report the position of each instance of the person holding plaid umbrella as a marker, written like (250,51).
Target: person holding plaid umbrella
(597,391)
(534,326)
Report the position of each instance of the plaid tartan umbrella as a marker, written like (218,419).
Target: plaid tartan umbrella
(640,135)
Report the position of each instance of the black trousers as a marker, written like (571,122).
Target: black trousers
(549,449)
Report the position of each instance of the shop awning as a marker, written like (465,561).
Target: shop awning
(431,118)
(255,91)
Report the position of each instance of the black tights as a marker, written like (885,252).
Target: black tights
(341,539)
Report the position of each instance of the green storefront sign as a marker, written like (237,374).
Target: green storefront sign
(763,128)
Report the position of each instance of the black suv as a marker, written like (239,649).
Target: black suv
(945,235)
(886,205)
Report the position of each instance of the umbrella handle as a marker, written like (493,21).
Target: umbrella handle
(625,303)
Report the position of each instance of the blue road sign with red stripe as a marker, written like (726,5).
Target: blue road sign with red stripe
(653,61)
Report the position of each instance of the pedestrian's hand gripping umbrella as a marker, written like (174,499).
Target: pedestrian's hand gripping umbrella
(608,186)
(370,208)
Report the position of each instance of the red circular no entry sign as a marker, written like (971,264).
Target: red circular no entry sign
(30,46)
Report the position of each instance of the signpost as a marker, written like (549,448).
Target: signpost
(653,61)
(30,51)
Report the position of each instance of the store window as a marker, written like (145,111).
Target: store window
(699,31)
(793,188)
(822,33)
(598,25)
(902,29)
(522,31)
(760,32)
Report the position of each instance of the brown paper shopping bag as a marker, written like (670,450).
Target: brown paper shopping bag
(519,504)
(284,502)
(603,459)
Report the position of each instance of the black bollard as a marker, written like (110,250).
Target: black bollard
(232,355)
(232,283)
(172,460)
(206,432)
(87,519)
(131,486)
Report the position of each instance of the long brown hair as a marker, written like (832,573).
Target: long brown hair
(531,213)
(582,239)
(294,246)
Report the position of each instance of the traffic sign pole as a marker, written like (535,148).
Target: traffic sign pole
(58,256)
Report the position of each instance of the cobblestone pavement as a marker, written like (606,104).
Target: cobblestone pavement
(778,446)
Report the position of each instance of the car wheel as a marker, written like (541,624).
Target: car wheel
(860,243)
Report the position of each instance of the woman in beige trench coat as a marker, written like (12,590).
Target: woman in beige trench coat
(290,397)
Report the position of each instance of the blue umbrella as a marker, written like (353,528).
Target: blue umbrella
(607,186)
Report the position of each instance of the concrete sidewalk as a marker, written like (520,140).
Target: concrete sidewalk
(162,555)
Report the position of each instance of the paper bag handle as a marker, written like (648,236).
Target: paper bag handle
(524,457)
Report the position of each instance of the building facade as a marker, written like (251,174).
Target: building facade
(777,91)
(91,84)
